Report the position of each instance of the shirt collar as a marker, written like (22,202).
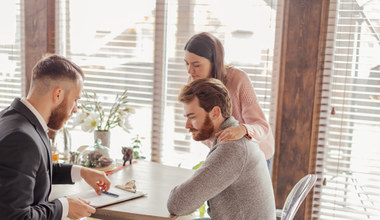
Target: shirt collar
(36,113)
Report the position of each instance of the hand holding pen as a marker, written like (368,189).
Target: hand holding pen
(96,179)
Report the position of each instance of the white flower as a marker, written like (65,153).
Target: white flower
(79,119)
(91,122)
(124,123)
(93,115)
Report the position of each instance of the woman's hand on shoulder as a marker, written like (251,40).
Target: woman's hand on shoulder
(231,133)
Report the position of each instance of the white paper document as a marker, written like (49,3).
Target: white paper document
(97,201)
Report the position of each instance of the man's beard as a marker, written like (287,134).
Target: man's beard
(205,131)
(58,116)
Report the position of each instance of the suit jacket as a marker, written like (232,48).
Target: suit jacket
(26,168)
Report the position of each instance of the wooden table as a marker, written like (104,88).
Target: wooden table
(155,179)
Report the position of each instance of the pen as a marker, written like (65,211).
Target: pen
(110,194)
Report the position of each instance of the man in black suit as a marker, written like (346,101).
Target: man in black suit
(26,168)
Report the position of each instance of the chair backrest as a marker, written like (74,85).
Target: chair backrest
(297,195)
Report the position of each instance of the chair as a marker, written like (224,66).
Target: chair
(296,197)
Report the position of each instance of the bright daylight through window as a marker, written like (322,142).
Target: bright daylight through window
(349,148)
(10,52)
(139,46)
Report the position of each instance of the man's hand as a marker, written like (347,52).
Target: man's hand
(231,133)
(96,179)
(78,208)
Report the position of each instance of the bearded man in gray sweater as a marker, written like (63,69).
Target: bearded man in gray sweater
(234,178)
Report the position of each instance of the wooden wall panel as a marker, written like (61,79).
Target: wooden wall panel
(298,87)
(39,33)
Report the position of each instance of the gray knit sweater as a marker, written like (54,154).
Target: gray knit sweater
(234,179)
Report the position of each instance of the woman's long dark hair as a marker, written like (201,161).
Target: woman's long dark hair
(206,45)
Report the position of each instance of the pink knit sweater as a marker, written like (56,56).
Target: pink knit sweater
(246,109)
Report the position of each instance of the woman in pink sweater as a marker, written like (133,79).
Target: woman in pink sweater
(204,57)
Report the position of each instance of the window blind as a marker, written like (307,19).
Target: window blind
(348,146)
(139,46)
(11,80)
(113,42)
(247,31)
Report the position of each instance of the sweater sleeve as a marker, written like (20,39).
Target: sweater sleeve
(253,117)
(221,168)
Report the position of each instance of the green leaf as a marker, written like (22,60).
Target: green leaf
(198,165)
(202,210)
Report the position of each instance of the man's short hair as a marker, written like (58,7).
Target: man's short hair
(56,67)
(210,93)
(54,70)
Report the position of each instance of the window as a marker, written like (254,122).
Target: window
(248,42)
(112,41)
(139,46)
(11,83)
(348,148)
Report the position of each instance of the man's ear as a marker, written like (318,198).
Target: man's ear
(58,95)
(215,112)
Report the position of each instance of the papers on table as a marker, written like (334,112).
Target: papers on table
(97,201)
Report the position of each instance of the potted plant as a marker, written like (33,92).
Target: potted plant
(93,117)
